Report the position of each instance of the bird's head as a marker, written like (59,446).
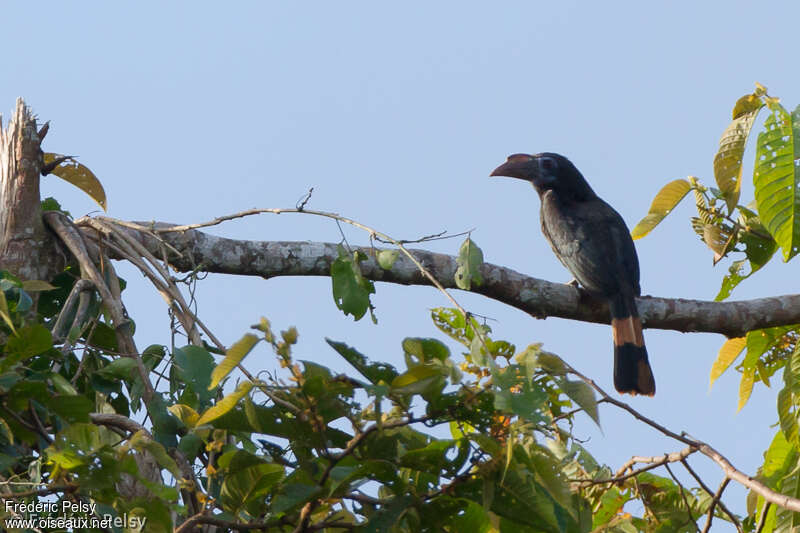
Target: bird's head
(547,171)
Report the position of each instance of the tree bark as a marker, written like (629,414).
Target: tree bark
(195,249)
(27,249)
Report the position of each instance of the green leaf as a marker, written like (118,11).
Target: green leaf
(233,357)
(777,185)
(665,201)
(473,519)
(225,404)
(469,261)
(786,520)
(548,471)
(389,514)
(759,248)
(728,160)
(374,372)
(165,426)
(517,394)
(195,367)
(80,176)
(746,387)
(292,495)
(351,289)
(249,484)
(386,258)
(453,324)
(29,341)
(103,336)
(141,441)
(119,368)
(611,503)
(417,380)
(185,414)
(779,460)
(789,400)
(728,353)
(70,408)
(61,385)
(37,285)
(432,458)
(759,342)
(420,350)
(4,313)
(734,276)
(583,395)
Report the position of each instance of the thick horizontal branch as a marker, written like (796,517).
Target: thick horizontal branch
(190,250)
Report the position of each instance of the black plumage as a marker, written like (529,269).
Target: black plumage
(591,239)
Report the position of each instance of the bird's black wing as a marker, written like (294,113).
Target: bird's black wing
(592,241)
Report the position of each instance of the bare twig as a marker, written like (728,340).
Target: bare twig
(44,491)
(782,500)
(81,286)
(683,496)
(706,488)
(762,519)
(713,505)
(627,471)
(301,204)
(228,525)
(118,421)
(73,239)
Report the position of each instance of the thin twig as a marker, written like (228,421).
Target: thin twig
(782,500)
(683,496)
(714,501)
(627,471)
(762,519)
(38,492)
(301,204)
(228,525)
(706,488)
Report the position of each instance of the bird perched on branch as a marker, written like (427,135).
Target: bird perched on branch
(590,238)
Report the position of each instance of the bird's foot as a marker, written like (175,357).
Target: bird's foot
(573,282)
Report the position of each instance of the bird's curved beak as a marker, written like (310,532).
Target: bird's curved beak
(518,166)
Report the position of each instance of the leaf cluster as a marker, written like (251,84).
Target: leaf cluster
(753,233)
(484,444)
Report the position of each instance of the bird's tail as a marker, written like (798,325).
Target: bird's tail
(632,372)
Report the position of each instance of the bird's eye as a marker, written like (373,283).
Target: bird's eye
(547,163)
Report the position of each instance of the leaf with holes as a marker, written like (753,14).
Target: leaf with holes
(789,400)
(728,161)
(786,520)
(777,181)
(719,238)
(80,176)
(665,201)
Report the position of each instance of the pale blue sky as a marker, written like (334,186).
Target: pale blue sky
(396,115)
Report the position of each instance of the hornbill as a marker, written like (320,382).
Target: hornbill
(590,238)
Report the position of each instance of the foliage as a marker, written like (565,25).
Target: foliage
(754,233)
(69,170)
(477,441)
(480,445)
